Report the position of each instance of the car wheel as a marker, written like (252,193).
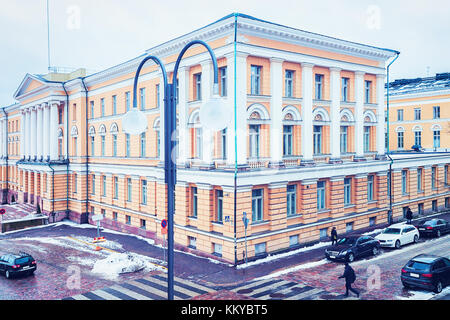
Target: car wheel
(416,239)
(397,244)
(438,233)
(350,257)
(375,251)
(438,287)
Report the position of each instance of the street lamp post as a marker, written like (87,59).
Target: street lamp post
(213,115)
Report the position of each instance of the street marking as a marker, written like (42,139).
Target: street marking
(80,297)
(105,295)
(305,294)
(130,293)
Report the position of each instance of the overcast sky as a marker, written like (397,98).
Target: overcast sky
(97,34)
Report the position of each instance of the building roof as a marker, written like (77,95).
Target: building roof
(441,81)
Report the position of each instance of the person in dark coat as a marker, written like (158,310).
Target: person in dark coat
(350,277)
(334,236)
(409,215)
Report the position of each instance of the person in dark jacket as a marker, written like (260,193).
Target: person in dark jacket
(409,215)
(334,236)
(350,277)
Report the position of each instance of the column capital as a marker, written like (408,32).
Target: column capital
(335,69)
(307,65)
(381,76)
(276,60)
(359,73)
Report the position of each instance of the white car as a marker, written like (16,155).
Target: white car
(398,235)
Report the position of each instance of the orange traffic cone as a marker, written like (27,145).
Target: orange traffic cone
(97,248)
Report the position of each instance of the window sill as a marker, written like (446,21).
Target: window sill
(372,201)
(323,211)
(351,205)
(293,216)
(259,223)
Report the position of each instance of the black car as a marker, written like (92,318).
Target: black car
(427,272)
(14,264)
(434,227)
(349,248)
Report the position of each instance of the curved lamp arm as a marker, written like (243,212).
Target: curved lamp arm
(214,60)
(136,77)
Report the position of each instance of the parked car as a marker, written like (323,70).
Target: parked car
(398,235)
(352,247)
(434,227)
(427,272)
(14,264)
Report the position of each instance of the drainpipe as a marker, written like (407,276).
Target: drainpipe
(67,149)
(6,156)
(87,145)
(53,192)
(390,214)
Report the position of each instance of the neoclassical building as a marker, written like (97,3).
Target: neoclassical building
(305,152)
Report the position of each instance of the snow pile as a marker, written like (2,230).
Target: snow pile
(119,263)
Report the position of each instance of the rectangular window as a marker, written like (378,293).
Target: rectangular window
(198,86)
(317,142)
(417,114)
(347,191)
(129,189)
(114,216)
(323,233)
(400,115)
(321,201)
(116,188)
(102,103)
(436,112)
(433,178)
(75,183)
(92,146)
(293,241)
(194,202)
(420,208)
(400,140)
(223,81)
(217,249)
(219,205)
(114,145)
(143,145)
(289,83)
(287,140)
(436,139)
(103,145)
(345,89)
(60,118)
(418,138)
(143,224)
(434,206)
(144,191)
(319,86)
(344,139)
(254,141)
(142,98)
(192,242)
(367,91)
(93,184)
(446,175)
(366,139)
(349,227)
(291,201)
(370,188)
(260,249)
(75,146)
(114,104)
(198,143)
(419,180)
(104,186)
(74,113)
(158,96)
(404,182)
(447,202)
(128,219)
(127,145)
(127,101)
(257,205)
(255,80)
(224,143)
(372,221)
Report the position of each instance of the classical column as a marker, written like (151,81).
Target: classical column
(276,110)
(22,134)
(27,134)
(335,111)
(380,117)
(241,110)
(39,129)
(207,139)
(46,133)
(33,135)
(307,105)
(359,115)
(53,138)
(183,94)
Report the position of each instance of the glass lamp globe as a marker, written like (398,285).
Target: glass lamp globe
(134,122)
(214,114)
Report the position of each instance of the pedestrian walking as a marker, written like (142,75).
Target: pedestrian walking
(350,277)
(409,215)
(334,236)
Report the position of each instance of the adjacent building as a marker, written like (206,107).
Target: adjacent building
(305,153)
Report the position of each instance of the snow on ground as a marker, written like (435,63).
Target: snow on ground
(424,295)
(293,269)
(282,255)
(118,263)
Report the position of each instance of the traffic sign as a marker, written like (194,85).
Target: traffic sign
(2,211)
(97,217)
(164,224)
(164,231)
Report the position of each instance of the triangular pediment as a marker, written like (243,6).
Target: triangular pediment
(29,84)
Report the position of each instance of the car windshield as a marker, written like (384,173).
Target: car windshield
(418,266)
(429,223)
(22,260)
(392,231)
(349,241)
